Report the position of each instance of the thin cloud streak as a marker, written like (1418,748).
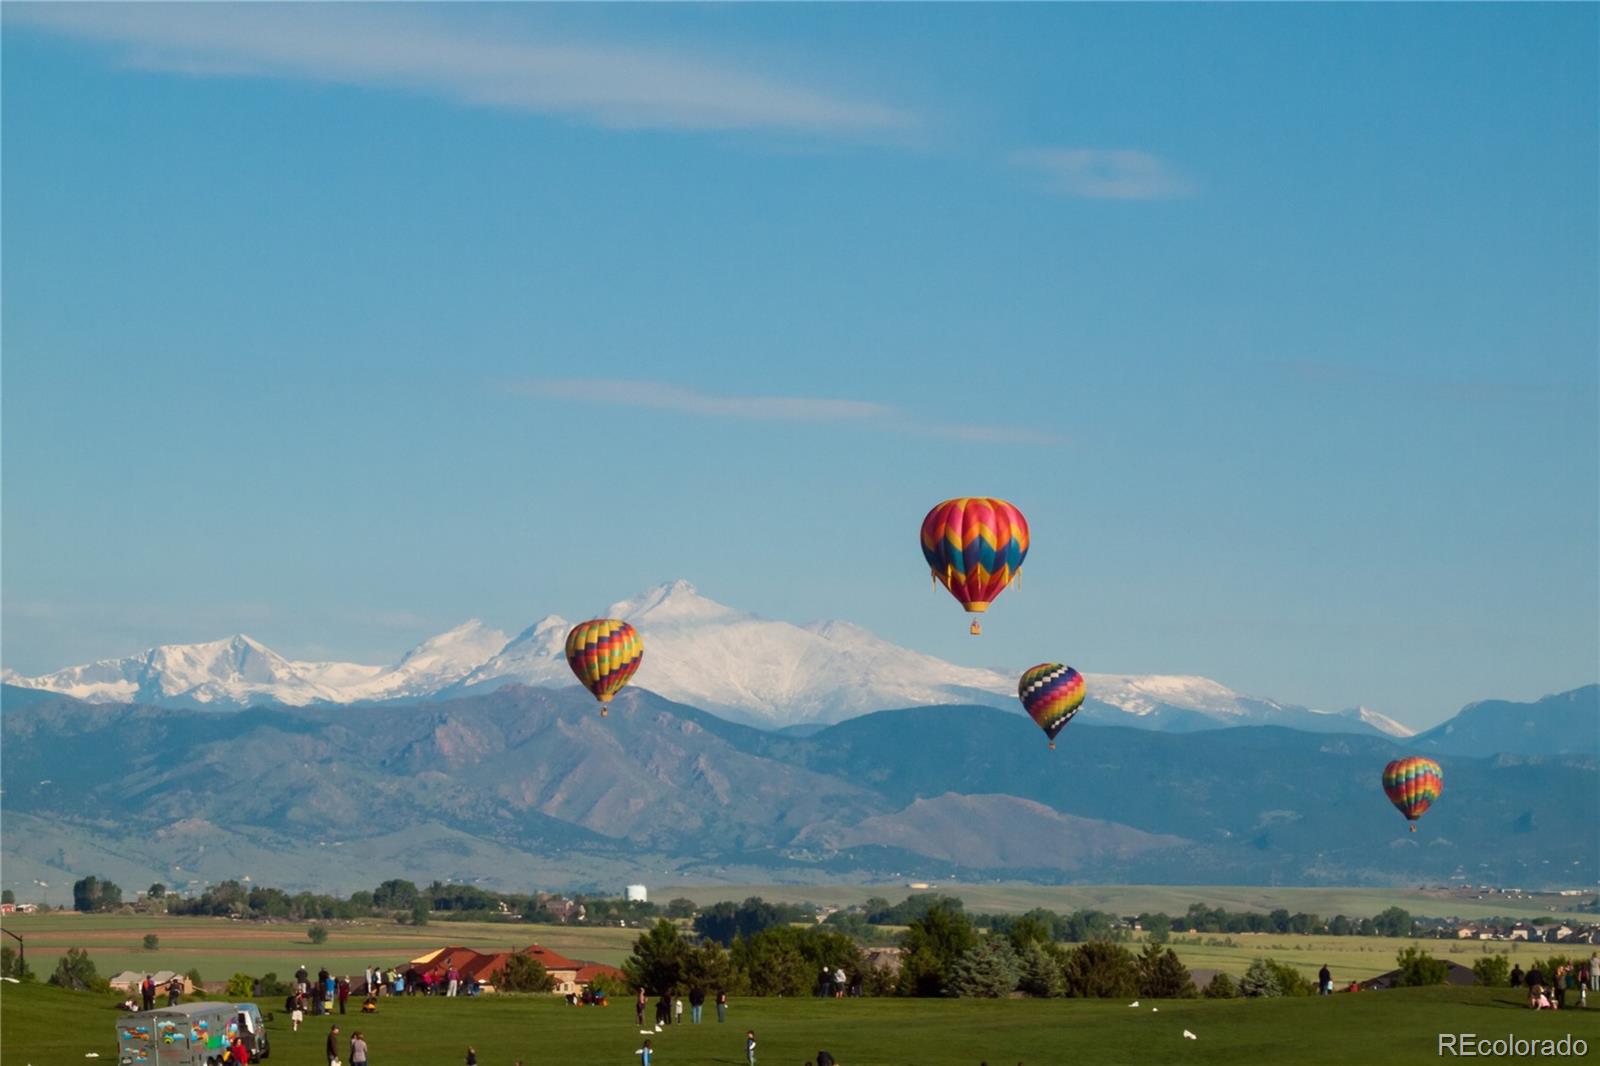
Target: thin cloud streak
(1106,173)
(659,396)
(388,47)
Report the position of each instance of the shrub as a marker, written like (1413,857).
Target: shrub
(194,978)
(1221,986)
(151,942)
(1099,969)
(76,971)
(271,986)
(1260,980)
(240,986)
(1493,971)
(317,934)
(14,965)
(988,970)
(1291,982)
(1417,967)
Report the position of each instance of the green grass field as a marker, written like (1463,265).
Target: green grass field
(1134,899)
(43,1026)
(1350,958)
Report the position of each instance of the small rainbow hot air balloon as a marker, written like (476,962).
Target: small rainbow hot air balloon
(974,546)
(1052,694)
(604,653)
(1413,783)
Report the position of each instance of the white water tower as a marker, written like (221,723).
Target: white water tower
(636,894)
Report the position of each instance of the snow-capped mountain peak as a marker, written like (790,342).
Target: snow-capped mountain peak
(697,651)
(672,603)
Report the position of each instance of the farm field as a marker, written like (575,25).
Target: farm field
(1349,958)
(1173,899)
(218,947)
(41,1025)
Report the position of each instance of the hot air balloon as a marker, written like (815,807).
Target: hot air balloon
(604,653)
(1413,783)
(1052,694)
(974,547)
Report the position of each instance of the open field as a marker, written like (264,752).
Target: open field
(219,947)
(40,1025)
(1173,899)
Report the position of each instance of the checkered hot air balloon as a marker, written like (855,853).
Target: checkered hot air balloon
(974,546)
(1051,693)
(604,653)
(1413,783)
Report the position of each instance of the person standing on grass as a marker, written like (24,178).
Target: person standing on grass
(638,1006)
(677,1010)
(1324,981)
(750,1047)
(722,1006)
(645,1051)
(174,990)
(472,1057)
(333,1046)
(147,992)
(358,1049)
(1516,976)
(664,1010)
(344,992)
(697,1003)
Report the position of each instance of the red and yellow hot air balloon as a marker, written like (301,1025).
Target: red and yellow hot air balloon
(1413,783)
(1051,693)
(974,546)
(604,653)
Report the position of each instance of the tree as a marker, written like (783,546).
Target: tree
(1100,969)
(1493,971)
(195,981)
(317,934)
(680,908)
(1260,980)
(1040,972)
(394,895)
(657,961)
(1291,982)
(987,970)
(76,971)
(156,891)
(1162,975)
(1393,922)
(240,986)
(938,938)
(770,963)
(524,974)
(7,896)
(151,942)
(1157,927)
(92,894)
(1221,986)
(707,968)
(1417,967)
(419,912)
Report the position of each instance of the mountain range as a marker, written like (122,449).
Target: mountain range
(771,674)
(527,787)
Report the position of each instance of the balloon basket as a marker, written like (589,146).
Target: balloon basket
(603,712)
(1413,829)
(1052,745)
(975,629)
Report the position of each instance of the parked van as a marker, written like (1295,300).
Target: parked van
(191,1034)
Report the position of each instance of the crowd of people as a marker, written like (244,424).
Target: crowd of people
(1549,991)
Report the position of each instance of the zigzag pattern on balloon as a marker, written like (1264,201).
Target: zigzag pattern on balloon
(1412,784)
(974,546)
(604,653)
(1051,693)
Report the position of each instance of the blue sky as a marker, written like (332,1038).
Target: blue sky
(339,325)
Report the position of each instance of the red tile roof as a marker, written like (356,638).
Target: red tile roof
(550,959)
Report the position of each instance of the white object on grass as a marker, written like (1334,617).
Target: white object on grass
(1189,1036)
(1135,1003)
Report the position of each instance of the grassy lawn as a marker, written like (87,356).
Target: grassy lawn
(41,1025)
(219,947)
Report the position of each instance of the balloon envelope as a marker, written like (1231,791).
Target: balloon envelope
(604,653)
(1413,783)
(1051,693)
(974,545)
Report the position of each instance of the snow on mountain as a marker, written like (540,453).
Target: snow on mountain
(697,651)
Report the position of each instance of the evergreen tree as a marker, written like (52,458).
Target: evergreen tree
(988,970)
(1260,980)
(1221,986)
(1040,972)
(1162,975)
(658,960)
(76,971)
(1100,969)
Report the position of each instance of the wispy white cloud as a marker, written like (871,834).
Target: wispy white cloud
(392,46)
(659,396)
(1107,173)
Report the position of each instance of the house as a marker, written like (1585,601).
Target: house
(562,969)
(567,910)
(8,908)
(589,971)
(1458,975)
